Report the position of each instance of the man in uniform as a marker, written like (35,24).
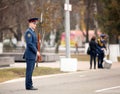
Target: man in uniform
(31,52)
(101,48)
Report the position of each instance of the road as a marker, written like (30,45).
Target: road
(102,81)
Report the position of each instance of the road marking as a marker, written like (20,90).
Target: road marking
(105,89)
(44,76)
(81,75)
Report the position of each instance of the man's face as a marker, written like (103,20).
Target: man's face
(102,38)
(33,25)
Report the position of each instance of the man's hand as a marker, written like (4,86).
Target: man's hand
(38,53)
(38,56)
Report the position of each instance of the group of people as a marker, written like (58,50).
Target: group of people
(97,50)
(31,52)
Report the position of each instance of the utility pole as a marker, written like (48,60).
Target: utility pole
(67,8)
(68,64)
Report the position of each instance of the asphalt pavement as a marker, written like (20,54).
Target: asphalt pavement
(99,81)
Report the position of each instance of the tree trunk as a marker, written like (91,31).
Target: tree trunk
(113,39)
(1,36)
(87,20)
(19,34)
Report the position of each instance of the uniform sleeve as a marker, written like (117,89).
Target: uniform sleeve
(30,45)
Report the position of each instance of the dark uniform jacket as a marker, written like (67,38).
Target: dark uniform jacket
(31,44)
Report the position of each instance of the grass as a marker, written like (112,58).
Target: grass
(13,73)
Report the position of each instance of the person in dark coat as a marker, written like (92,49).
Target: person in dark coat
(31,52)
(93,51)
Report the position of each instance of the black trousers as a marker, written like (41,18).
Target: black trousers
(93,58)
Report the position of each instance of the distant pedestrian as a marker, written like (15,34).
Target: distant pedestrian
(31,52)
(76,48)
(101,48)
(93,51)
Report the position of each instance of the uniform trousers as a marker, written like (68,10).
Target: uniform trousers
(100,60)
(30,63)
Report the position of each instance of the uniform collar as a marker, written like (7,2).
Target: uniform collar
(31,29)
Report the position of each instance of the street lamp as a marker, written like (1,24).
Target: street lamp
(67,8)
(68,64)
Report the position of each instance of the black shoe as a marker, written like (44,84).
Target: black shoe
(99,67)
(32,88)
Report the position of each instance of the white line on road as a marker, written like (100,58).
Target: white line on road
(45,76)
(81,75)
(105,89)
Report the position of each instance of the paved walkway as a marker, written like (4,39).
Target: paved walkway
(82,65)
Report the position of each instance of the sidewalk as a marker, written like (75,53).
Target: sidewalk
(82,65)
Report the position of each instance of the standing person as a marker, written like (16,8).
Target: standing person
(101,47)
(31,52)
(76,48)
(93,53)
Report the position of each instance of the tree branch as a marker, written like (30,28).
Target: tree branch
(1,9)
